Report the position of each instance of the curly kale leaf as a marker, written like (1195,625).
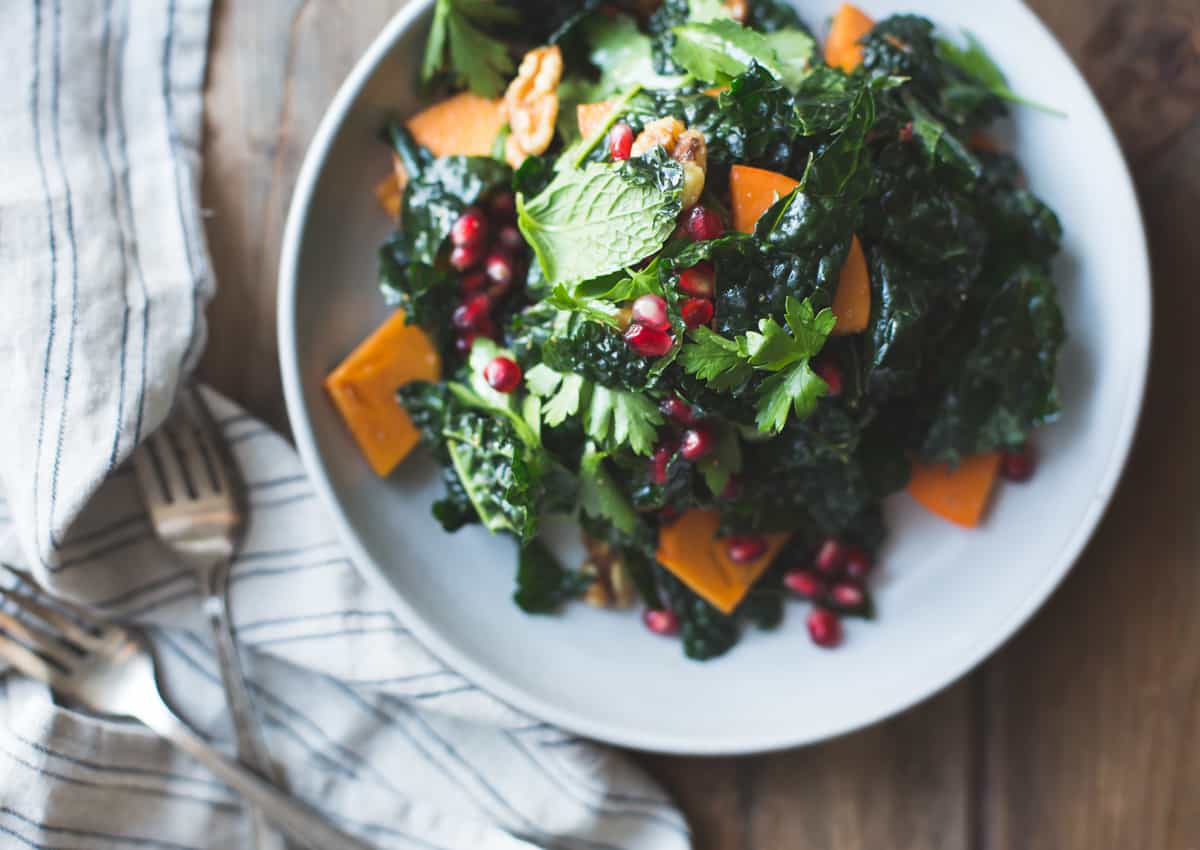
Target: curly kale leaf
(543,584)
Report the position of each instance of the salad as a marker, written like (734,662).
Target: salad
(713,288)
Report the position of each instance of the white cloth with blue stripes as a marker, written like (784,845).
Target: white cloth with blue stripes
(106,277)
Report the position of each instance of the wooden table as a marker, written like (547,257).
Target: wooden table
(1084,732)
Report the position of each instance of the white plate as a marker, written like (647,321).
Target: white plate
(947,597)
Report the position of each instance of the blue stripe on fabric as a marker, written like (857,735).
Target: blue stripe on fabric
(334,633)
(276,482)
(309,618)
(600,799)
(116,525)
(275,718)
(131,840)
(169,108)
(141,590)
(134,253)
(284,502)
(234,419)
(107,549)
(267,554)
(248,435)
(211,784)
(105,102)
(69,210)
(4,830)
(52,244)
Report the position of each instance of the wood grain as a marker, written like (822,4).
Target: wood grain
(1084,732)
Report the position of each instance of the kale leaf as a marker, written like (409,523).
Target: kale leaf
(543,584)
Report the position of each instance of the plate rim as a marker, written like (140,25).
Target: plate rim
(739,743)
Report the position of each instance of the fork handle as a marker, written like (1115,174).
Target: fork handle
(293,817)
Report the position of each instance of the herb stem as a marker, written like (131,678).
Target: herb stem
(602,130)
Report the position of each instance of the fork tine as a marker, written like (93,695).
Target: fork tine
(37,641)
(218,462)
(158,470)
(198,464)
(23,659)
(80,627)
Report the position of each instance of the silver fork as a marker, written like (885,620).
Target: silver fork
(109,669)
(192,490)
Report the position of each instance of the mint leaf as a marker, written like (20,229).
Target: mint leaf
(600,497)
(799,387)
(602,218)
(721,49)
(974,61)
(459,48)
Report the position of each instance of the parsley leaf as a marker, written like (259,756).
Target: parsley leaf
(724,462)
(798,387)
(623,54)
(459,47)
(714,359)
(599,495)
(721,49)
(630,417)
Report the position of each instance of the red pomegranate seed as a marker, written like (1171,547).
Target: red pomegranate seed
(651,312)
(510,239)
(677,409)
(620,141)
(464,257)
(698,442)
(661,621)
(825,628)
(906,133)
(487,326)
(499,269)
(703,224)
(1019,464)
(829,372)
(471,283)
(648,342)
(468,315)
(464,341)
(848,595)
(746,548)
(700,281)
(503,206)
(697,312)
(858,564)
(470,229)
(831,556)
(805,583)
(502,374)
(659,462)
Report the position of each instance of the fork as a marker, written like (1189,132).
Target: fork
(110,670)
(191,488)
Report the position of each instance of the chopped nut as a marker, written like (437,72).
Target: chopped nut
(596,595)
(531,104)
(739,10)
(691,151)
(621,584)
(662,133)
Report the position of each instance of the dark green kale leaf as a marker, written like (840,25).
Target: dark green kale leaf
(427,294)
(427,405)
(543,584)
(772,15)
(706,632)
(1001,368)
(598,354)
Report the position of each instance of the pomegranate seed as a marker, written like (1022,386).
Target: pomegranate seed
(700,281)
(648,342)
(906,133)
(464,257)
(805,583)
(659,462)
(620,141)
(661,621)
(503,206)
(1019,464)
(697,312)
(677,409)
(487,326)
(703,224)
(510,239)
(831,556)
(651,311)
(464,341)
(829,372)
(468,315)
(825,628)
(471,283)
(698,442)
(470,229)
(848,596)
(732,488)
(502,374)
(498,269)
(746,548)
(858,564)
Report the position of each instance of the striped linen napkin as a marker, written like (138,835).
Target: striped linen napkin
(106,278)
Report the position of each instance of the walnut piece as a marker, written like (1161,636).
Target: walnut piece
(739,10)
(531,104)
(691,151)
(658,134)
